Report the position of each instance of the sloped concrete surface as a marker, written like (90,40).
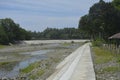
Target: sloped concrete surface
(77,66)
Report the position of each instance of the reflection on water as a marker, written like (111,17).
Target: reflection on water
(36,56)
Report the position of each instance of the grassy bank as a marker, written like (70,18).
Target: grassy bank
(106,64)
(2,46)
(40,69)
(29,68)
(4,63)
(102,55)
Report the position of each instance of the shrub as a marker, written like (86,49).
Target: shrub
(98,42)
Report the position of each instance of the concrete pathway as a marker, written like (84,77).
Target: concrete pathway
(77,66)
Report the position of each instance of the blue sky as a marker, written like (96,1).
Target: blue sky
(37,15)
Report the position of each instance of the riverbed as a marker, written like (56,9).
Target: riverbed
(16,58)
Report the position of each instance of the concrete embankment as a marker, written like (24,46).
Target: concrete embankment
(77,66)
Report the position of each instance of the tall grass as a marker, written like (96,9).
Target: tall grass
(102,55)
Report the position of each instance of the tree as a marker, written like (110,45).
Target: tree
(102,20)
(11,32)
(116,3)
(53,33)
(3,36)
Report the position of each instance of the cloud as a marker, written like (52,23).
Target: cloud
(39,14)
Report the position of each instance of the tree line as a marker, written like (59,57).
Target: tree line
(54,33)
(10,32)
(102,21)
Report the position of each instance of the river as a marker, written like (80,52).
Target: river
(14,72)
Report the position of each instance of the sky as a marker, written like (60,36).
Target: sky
(37,15)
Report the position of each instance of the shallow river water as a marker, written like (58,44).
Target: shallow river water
(14,72)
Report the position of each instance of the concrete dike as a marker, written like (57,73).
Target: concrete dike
(77,66)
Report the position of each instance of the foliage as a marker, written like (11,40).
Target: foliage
(3,36)
(98,42)
(53,33)
(11,32)
(102,21)
(116,3)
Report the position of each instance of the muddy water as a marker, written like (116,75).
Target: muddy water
(14,72)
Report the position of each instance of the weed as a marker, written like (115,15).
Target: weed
(4,63)
(102,56)
(2,46)
(29,68)
(109,69)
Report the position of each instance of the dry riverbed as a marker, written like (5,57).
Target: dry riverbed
(39,69)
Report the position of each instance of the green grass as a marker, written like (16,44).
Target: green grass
(66,44)
(4,63)
(105,62)
(29,68)
(33,77)
(2,46)
(71,43)
(109,69)
(39,73)
(102,56)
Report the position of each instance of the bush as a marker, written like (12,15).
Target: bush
(98,42)
(72,42)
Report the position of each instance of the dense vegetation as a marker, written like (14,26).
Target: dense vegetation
(53,33)
(102,21)
(10,32)
(116,4)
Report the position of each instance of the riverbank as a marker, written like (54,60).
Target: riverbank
(43,68)
(11,53)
